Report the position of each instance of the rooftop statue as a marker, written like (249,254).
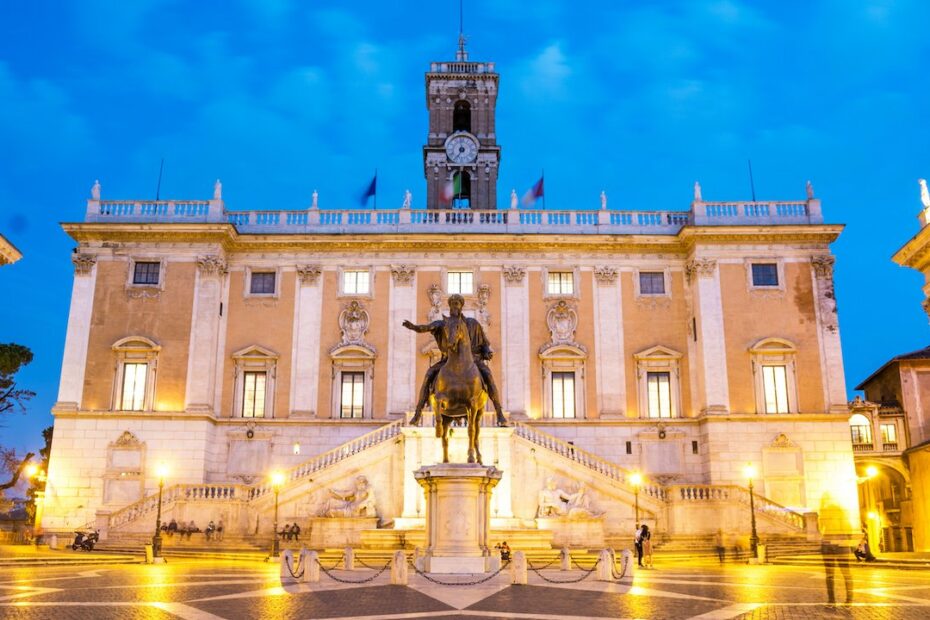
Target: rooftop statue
(408,198)
(217,190)
(810,190)
(315,198)
(603,200)
(924,194)
(697,192)
(459,384)
(95,191)
(514,201)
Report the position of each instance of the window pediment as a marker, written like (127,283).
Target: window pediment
(773,346)
(563,351)
(255,352)
(136,343)
(353,351)
(657,352)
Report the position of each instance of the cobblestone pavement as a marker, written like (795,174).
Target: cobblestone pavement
(212,590)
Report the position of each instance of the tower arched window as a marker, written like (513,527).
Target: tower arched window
(462,184)
(461,116)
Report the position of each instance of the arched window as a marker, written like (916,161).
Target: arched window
(860,429)
(461,116)
(134,385)
(461,183)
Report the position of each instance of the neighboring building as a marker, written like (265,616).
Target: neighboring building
(8,252)
(683,344)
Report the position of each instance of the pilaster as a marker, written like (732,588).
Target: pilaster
(401,342)
(608,313)
(705,282)
(828,334)
(305,371)
(515,330)
(205,322)
(74,361)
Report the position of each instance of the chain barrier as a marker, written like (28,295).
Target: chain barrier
(587,574)
(579,566)
(290,569)
(530,566)
(359,560)
(613,567)
(333,567)
(463,583)
(341,580)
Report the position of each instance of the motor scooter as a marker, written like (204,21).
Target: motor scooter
(85,541)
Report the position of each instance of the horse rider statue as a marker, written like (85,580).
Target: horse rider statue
(480,348)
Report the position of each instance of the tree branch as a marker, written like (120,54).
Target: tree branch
(18,472)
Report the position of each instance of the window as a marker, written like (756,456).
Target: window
(134,380)
(146,273)
(461,116)
(256,369)
(132,390)
(860,430)
(563,395)
(775,387)
(356,282)
(764,274)
(353,395)
(253,394)
(651,283)
(262,283)
(658,371)
(889,433)
(461,282)
(561,283)
(774,374)
(659,393)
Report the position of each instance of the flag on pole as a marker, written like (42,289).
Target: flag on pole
(537,191)
(451,189)
(371,191)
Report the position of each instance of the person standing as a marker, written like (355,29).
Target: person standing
(638,543)
(719,546)
(646,539)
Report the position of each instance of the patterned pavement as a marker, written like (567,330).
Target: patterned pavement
(212,590)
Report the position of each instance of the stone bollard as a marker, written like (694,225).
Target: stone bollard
(566,559)
(287,560)
(312,571)
(418,558)
(518,569)
(349,559)
(53,541)
(494,563)
(605,563)
(626,559)
(399,573)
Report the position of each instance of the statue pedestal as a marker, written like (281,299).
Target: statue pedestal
(338,532)
(458,519)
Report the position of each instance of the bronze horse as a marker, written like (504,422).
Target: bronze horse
(459,391)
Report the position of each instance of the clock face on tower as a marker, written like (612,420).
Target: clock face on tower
(461,149)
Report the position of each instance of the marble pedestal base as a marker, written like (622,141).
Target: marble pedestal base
(458,518)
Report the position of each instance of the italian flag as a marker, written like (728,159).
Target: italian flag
(451,189)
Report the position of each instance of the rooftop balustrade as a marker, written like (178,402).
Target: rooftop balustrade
(502,221)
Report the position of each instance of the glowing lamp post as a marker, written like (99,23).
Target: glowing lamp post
(161,471)
(34,472)
(750,472)
(277,481)
(873,525)
(636,480)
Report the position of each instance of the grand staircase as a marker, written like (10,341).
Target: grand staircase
(667,505)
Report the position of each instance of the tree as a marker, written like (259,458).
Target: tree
(14,466)
(12,358)
(38,482)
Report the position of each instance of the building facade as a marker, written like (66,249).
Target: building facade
(680,344)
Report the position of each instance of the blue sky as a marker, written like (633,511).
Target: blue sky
(281,97)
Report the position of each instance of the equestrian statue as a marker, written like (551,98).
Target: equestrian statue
(460,383)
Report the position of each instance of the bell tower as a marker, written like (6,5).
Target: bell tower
(461,155)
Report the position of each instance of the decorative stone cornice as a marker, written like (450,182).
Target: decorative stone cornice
(308,274)
(605,274)
(83,263)
(403,274)
(211,265)
(700,267)
(513,274)
(823,266)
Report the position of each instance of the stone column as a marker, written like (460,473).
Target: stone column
(402,342)
(608,316)
(305,371)
(202,356)
(705,282)
(828,333)
(73,364)
(515,331)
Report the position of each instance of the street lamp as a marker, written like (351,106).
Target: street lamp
(750,472)
(636,480)
(161,471)
(277,480)
(873,525)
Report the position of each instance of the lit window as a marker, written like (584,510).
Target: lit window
(889,433)
(563,395)
(659,393)
(775,388)
(353,394)
(764,274)
(146,273)
(651,283)
(355,282)
(461,282)
(253,394)
(262,283)
(561,283)
(132,394)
